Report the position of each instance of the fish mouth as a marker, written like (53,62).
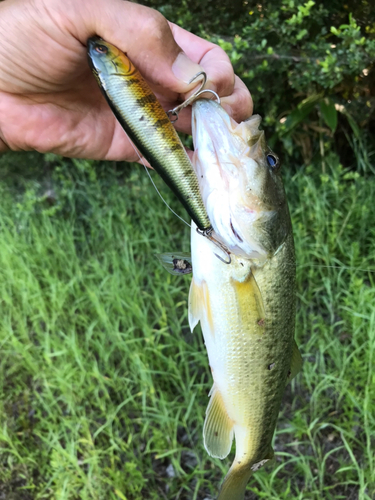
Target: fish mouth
(223,165)
(211,125)
(243,196)
(204,108)
(215,131)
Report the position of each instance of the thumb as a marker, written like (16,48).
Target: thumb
(144,34)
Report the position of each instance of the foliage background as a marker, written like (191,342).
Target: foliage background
(102,386)
(309,66)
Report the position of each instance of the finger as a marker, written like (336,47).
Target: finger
(239,105)
(3,146)
(64,125)
(141,32)
(213,59)
(142,161)
(221,78)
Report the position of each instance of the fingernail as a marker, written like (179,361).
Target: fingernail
(184,68)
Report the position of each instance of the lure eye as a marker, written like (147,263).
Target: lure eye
(102,49)
(272,161)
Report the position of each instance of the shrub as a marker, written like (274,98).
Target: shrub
(309,66)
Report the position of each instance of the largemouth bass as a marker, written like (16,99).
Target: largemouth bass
(247,308)
(147,124)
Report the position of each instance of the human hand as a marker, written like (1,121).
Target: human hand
(49,100)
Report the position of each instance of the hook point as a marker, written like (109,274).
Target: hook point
(207,233)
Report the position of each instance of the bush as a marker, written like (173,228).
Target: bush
(309,66)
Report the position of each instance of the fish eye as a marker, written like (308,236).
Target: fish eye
(272,161)
(102,49)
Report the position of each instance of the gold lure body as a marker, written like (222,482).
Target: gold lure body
(147,124)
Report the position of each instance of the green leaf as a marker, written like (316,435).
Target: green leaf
(301,34)
(353,124)
(120,495)
(299,114)
(329,113)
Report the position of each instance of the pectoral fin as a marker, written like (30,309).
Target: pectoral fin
(194,305)
(218,427)
(199,305)
(296,363)
(250,302)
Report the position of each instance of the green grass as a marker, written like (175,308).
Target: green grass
(104,388)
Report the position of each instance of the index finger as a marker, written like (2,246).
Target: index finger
(219,70)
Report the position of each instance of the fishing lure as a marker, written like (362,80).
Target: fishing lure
(147,125)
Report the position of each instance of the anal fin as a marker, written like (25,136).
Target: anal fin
(218,427)
(270,456)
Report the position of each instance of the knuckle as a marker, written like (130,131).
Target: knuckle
(155,26)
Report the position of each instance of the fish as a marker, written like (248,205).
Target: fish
(246,308)
(146,123)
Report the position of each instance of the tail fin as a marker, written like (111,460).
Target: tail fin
(235,482)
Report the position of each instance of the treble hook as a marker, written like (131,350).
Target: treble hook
(208,234)
(175,111)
